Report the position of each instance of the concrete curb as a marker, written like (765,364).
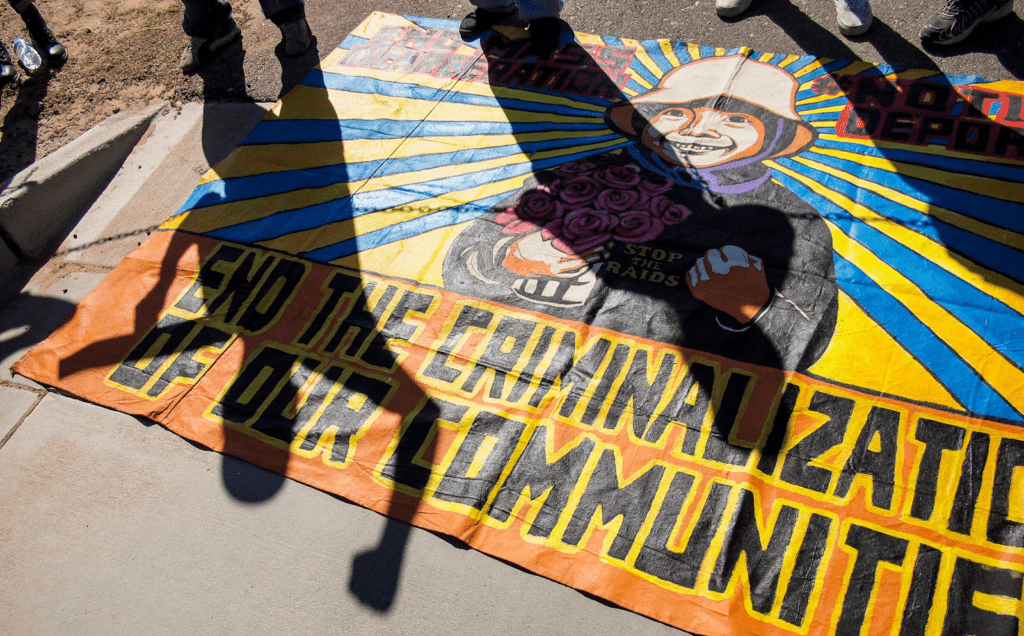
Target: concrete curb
(42,202)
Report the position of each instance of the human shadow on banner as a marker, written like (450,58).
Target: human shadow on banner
(160,335)
(942,170)
(300,403)
(654,225)
(816,40)
(1000,38)
(224,83)
(299,390)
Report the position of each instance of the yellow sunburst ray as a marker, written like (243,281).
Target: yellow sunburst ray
(818,98)
(1004,376)
(931,149)
(419,80)
(641,55)
(825,109)
(337,232)
(808,69)
(314,238)
(669,52)
(995,188)
(863,354)
(850,69)
(984,280)
(333,105)
(267,159)
(789,59)
(590,38)
(1001,374)
(223,215)
(962,221)
(639,79)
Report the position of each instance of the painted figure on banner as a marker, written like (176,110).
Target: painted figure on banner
(687,223)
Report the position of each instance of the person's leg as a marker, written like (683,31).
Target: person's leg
(204,18)
(854,17)
(487,15)
(46,42)
(19,6)
(955,21)
(545,26)
(290,17)
(531,10)
(210,28)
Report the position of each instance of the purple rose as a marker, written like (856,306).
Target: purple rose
(580,190)
(638,227)
(538,206)
(626,176)
(582,229)
(620,200)
(668,211)
(654,184)
(574,168)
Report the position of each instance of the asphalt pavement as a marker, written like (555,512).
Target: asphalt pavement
(793,27)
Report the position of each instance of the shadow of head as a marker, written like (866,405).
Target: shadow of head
(671,230)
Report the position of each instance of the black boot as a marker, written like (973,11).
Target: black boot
(7,70)
(46,42)
(480,21)
(545,35)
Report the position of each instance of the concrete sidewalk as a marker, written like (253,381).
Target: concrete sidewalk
(109,524)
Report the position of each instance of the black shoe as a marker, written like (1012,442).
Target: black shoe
(201,51)
(480,21)
(44,39)
(955,21)
(545,34)
(7,70)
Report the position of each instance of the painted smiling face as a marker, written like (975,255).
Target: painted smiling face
(703,137)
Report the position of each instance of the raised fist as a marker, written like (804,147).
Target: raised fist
(731,281)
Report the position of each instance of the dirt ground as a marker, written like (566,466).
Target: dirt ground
(123,57)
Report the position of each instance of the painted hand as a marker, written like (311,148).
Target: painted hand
(731,281)
(533,257)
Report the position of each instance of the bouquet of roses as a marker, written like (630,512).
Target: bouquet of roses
(590,204)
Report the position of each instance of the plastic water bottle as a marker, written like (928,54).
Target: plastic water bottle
(27,55)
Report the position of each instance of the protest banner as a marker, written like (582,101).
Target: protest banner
(728,338)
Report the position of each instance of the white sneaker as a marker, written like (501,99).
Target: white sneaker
(731,8)
(854,17)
